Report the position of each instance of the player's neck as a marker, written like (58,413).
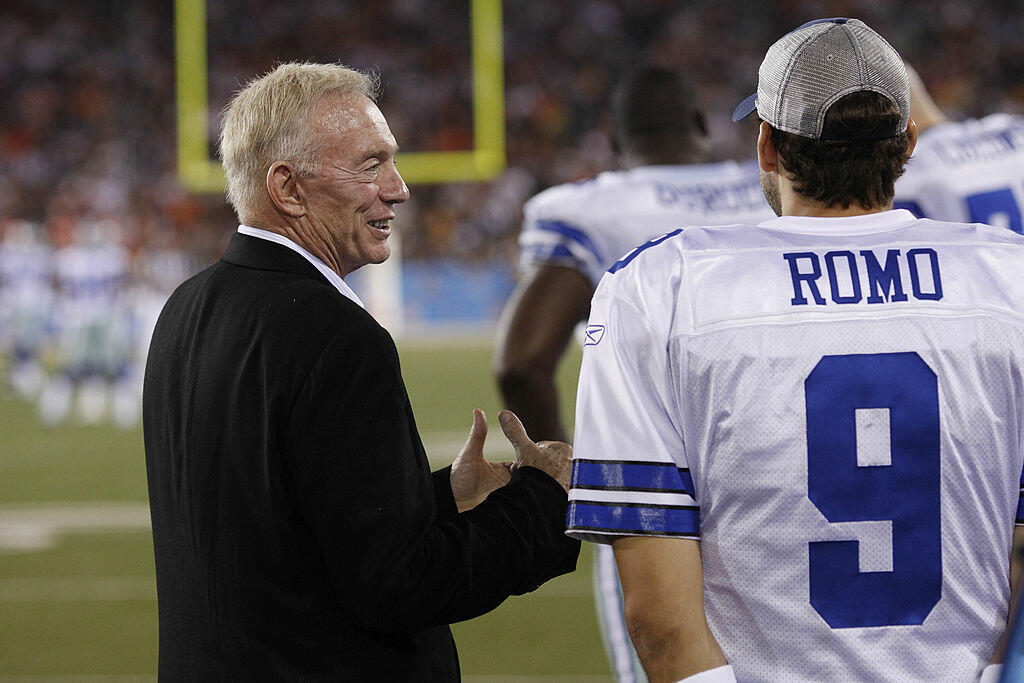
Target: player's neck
(821,211)
(795,204)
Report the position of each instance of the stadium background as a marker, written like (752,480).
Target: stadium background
(89,133)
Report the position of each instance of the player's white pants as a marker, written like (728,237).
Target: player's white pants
(610,615)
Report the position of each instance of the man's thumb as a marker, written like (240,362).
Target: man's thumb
(477,434)
(514,430)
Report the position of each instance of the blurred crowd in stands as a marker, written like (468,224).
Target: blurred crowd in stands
(87,126)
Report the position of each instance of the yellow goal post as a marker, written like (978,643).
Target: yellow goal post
(198,172)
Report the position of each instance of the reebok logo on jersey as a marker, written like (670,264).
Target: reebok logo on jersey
(595,333)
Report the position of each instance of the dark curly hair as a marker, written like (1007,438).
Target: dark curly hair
(849,164)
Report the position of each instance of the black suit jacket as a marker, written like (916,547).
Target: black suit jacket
(298,531)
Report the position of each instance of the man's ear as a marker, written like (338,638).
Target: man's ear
(767,156)
(283,188)
(911,136)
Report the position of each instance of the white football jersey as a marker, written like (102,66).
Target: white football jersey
(970,171)
(588,225)
(91,279)
(25,272)
(834,408)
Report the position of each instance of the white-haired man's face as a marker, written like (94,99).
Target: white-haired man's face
(350,203)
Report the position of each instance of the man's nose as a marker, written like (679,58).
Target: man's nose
(394,190)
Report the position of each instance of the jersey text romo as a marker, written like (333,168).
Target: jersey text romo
(849,278)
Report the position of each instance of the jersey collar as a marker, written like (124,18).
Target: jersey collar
(847,225)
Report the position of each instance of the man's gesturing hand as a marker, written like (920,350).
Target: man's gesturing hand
(553,457)
(473,478)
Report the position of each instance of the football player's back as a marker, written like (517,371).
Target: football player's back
(803,438)
(852,399)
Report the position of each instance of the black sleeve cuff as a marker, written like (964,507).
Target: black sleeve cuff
(444,500)
(545,479)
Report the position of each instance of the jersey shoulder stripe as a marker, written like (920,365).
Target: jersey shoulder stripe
(572,233)
(628,258)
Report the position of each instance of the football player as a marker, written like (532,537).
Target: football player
(572,233)
(90,271)
(802,437)
(25,304)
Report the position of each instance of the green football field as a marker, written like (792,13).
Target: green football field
(77,593)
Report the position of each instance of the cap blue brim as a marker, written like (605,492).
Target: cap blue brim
(745,109)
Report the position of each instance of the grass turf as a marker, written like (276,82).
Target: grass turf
(86,604)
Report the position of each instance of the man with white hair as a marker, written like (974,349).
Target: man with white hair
(802,438)
(298,532)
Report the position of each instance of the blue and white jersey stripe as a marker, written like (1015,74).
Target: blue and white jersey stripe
(629,497)
(572,234)
(625,475)
(635,519)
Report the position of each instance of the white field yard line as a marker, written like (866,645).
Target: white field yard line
(38,526)
(77,589)
(31,527)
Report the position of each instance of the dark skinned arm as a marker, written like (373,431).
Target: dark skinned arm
(533,333)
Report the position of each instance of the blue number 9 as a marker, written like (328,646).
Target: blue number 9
(905,491)
(997,207)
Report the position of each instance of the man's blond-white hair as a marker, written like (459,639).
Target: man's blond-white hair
(271,119)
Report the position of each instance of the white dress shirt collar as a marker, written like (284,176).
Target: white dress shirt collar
(331,276)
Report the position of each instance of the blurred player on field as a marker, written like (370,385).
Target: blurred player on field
(970,171)
(572,233)
(90,270)
(25,304)
(802,437)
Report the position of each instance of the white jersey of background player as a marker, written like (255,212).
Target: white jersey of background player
(589,225)
(26,302)
(572,233)
(90,272)
(830,402)
(969,171)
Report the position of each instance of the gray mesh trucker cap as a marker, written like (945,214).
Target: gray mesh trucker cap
(811,67)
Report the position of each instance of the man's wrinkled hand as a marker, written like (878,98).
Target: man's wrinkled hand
(473,478)
(552,457)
